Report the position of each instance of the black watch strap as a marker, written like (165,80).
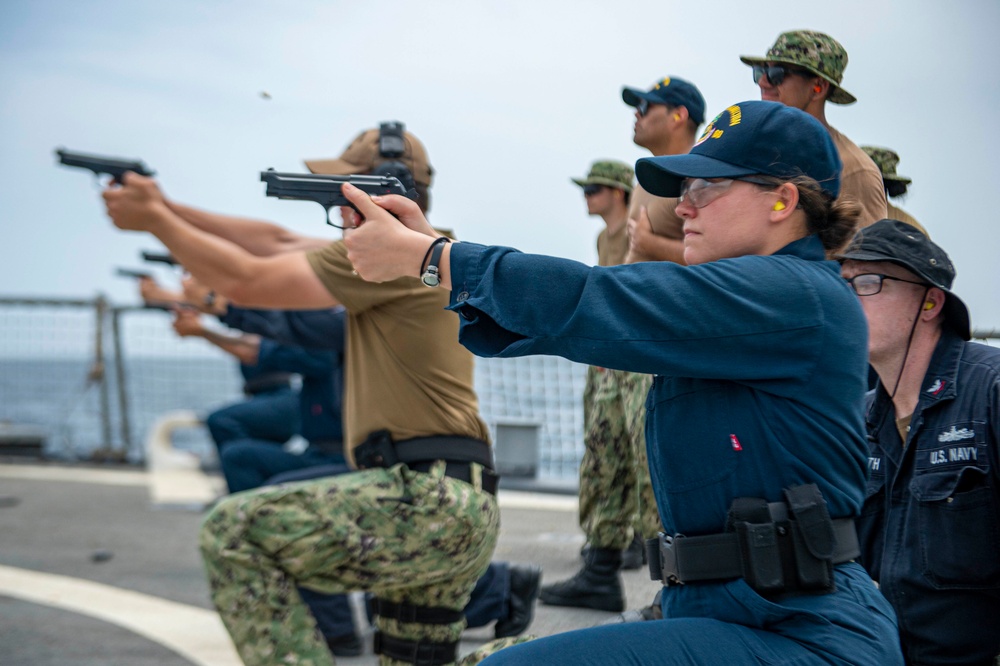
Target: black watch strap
(431,275)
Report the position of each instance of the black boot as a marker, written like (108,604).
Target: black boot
(597,585)
(525,581)
(634,556)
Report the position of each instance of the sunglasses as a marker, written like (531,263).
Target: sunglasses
(643,106)
(777,73)
(591,190)
(869,284)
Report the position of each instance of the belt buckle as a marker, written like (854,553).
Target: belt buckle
(668,560)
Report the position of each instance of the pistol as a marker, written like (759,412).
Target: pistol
(161,257)
(113,166)
(325,190)
(129,273)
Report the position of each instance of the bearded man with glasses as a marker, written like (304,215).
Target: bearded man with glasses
(804,70)
(930,526)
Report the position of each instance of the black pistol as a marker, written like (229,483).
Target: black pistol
(113,166)
(129,273)
(325,190)
(160,257)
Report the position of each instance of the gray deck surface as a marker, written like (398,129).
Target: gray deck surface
(56,526)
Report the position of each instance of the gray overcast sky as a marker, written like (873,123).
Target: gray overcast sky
(511,98)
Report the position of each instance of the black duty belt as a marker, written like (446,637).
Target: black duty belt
(267,382)
(328,446)
(792,552)
(420,453)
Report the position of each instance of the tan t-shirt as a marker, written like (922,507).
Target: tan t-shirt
(901,215)
(612,248)
(406,371)
(662,215)
(860,179)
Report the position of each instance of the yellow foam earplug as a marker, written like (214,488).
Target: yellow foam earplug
(928,306)
(779,206)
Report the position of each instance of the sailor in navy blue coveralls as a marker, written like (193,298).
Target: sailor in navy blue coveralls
(759,354)
(759,392)
(931,528)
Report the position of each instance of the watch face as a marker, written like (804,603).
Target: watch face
(430,278)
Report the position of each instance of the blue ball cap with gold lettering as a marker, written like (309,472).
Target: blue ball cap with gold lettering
(670,90)
(748,139)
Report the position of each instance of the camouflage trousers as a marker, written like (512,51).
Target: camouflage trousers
(616,495)
(414,537)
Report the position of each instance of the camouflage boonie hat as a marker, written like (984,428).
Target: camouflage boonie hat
(886,160)
(608,172)
(819,53)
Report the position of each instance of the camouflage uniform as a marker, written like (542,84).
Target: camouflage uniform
(413,537)
(886,161)
(616,496)
(813,51)
(610,173)
(614,477)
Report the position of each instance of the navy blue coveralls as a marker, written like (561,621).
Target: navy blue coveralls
(249,462)
(760,365)
(930,528)
(270,412)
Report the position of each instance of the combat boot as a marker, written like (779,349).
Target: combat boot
(634,556)
(597,585)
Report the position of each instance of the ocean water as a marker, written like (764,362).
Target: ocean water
(86,409)
(85,413)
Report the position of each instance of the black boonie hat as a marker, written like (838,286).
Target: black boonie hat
(901,244)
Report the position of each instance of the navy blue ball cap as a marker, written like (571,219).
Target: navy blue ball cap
(673,91)
(748,139)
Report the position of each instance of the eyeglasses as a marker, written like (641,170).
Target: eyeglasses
(777,73)
(591,190)
(699,192)
(869,284)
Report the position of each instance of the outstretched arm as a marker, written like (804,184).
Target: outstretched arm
(283,281)
(245,347)
(257,237)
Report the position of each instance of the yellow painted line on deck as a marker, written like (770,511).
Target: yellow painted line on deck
(194,633)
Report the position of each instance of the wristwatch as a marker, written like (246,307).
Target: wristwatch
(431,276)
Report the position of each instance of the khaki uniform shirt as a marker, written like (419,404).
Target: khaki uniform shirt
(662,216)
(901,215)
(860,180)
(612,248)
(406,371)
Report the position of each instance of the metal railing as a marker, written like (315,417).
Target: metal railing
(89,379)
